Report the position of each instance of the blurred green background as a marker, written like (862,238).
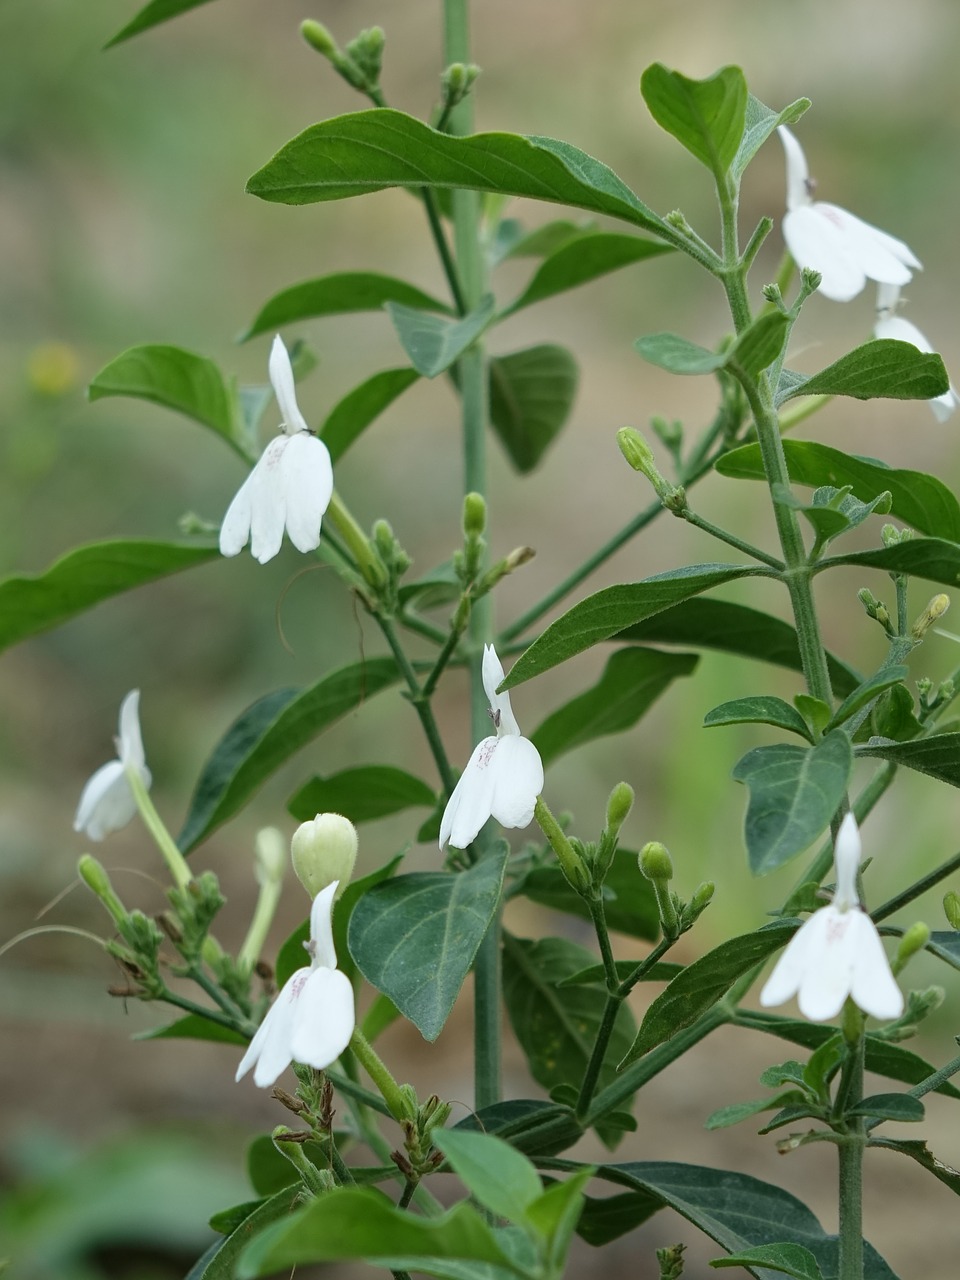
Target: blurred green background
(123,221)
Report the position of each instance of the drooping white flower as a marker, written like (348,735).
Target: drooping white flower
(823,237)
(890,325)
(837,952)
(503,777)
(107,802)
(313,1017)
(291,485)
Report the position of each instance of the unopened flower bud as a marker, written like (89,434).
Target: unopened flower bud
(94,876)
(318,37)
(618,807)
(701,899)
(638,453)
(810,280)
(946,691)
(655,862)
(324,850)
(934,611)
(951,909)
(890,535)
(456,82)
(474,515)
(366,50)
(914,940)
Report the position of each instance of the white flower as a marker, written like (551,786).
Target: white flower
(837,952)
(503,777)
(107,802)
(290,486)
(313,1017)
(890,325)
(825,238)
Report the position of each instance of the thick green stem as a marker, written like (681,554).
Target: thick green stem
(421,703)
(376,1069)
(850,1151)
(595,1065)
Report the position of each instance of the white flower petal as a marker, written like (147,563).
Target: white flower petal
(268,506)
(307,478)
(816,243)
(829,973)
(469,806)
(784,982)
(235,526)
(892,326)
(284,387)
(324,1018)
(130,742)
(873,989)
(798,175)
(106,803)
(270,1049)
(882,257)
(321,927)
(518,780)
(847,852)
(493,674)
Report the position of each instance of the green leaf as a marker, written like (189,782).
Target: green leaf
(919,1151)
(174,379)
(734,628)
(267,734)
(535,1127)
(883,367)
(794,792)
(30,604)
(499,1177)
(531,395)
(632,680)
(612,610)
(866,693)
(760,122)
(361,795)
(939,756)
(676,354)
(882,1057)
(893,716)
(930,558)
(360,1223)
(739,1212)
(760,343)
(582,258)
(151,15)
(702,984)
(890,1106)
(220,1260)
(351,416)
(785,1259)
(630,903)
(193,1027)
(557,1026)
(555,1214)
(738,1111)
(366,151)
(414,938)
(268,1171)
(918,499)
(662,971)
(433,343)
(227,1220)
(834,511)
(606,1219)
(707,117)
(338,294)
(758,709)
(512,240)
(439,587)
(945,943)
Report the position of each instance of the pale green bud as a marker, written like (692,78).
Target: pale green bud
(914,940)
(94,876)
(640,456)
(618,807)
(456,82)
(324,850)
(655,862)
(951,909)
(318,37)
(474,515)
(701,899)
(934,611)
(890,535)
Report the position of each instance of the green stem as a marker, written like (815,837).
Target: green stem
(599,918)
(487,976)
(176,862)
(570,862)
(850,1151)
(211,1015)
(356,1092)
(376,1069)
(595,1065)
(865,802)
(443,657)
(413,622)
(443,249)
(645,965)
(915,890)
(730,539)
(420,701)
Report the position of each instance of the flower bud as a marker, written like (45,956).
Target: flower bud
(318,37)
(951,909)
(474,515)
(618,807)
(324,850)
(701,899)
(94,876)
(366,50)
(934,611)
(655,862)
(914,940)
(269,856)
(456,82)
(890,535)
(638,453)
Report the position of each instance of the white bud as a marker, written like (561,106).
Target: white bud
(324,850)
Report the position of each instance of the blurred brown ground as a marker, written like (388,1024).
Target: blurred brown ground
(123,220)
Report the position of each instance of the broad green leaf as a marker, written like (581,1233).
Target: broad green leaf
(676,354)
(758,709)
(945,943)
(630,904)
(414,938)
(554,1215)
(738,1111)
(890,1106)
(82,578)
(227,1220)
(512,240)
(932,558)
(531,395)
(919,1151)
(867,692)
(193,1027)
(361,795)
(734,628)
(760,343)
(151,15)
(938,756)
(557,1026)
(360,1223)
(499,1177)
(918,499)
(220,1260)
(583,258)
(794,792)
(354,413)
(702,984)
(632,681)
(833,511)
(892,717)
(882,1057)
(338,294)
(268,1170)
(883,367)
(366,151)
(614,609)
(786,1259)
(760,122)
(739,1212)
(814,710)
(434,343)
(706,116)
(174,379)
(292,955)
(535,1127)
(607,1218)
(267,734)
